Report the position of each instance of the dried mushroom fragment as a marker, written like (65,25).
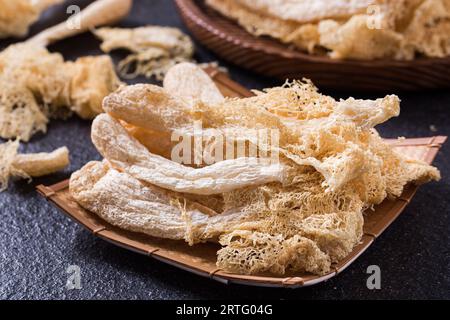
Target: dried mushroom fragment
(349,29)
(26,166)
(302,213)
(16,16)
(36,85)
(189,82)
(133,205)
(307,11)
(154,49)
(247,252)
(125,153)
(305,37)
(93,78)
(33,83)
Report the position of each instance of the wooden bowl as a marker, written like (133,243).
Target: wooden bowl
(271,58)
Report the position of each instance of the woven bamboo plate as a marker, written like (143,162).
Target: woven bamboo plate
(201,259)
(271,58)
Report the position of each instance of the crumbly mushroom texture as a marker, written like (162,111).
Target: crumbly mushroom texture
(16,16)
(27,166)
(154,49)
(333,166)
(306,10)
(349,29)
(36,85)
(191,83)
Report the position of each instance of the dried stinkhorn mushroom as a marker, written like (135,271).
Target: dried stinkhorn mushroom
(27,166)
(16,16)
(348,29)
(301,213)
(154,49)
(36,85)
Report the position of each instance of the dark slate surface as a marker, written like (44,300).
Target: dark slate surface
(38,243)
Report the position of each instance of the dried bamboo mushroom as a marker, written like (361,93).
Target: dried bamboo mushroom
(36,85)
(16,16)
(27,166)
(154,49)
(349,29)
(187,81)
(301,214)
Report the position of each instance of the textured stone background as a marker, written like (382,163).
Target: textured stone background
(38,243)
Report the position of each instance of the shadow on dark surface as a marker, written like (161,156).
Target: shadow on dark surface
(38,243)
